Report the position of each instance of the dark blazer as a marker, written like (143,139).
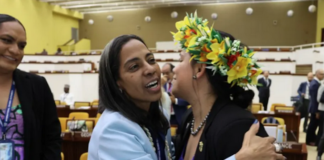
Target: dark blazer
(313,88)
(41,125)
(302,89)
(264,90)
(223,133)
(180,108)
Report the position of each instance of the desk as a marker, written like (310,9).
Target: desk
(75,144)
(292,154)
(65,111)
(292,122)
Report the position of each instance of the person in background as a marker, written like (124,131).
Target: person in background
(179,106)
(67,97)
(32,123)
(133,121)
(165,99)
(320,99)
(59,51)
(311,136)
(264,89)
(44,52)
(303,92)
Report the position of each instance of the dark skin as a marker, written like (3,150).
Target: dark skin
(66,90)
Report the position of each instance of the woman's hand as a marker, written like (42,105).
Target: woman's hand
(258,148)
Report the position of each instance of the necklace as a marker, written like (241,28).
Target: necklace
(194,132)
(151,140)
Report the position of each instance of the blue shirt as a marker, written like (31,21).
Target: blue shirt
(231,157)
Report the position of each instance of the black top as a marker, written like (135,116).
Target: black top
(223,134)
(42,127)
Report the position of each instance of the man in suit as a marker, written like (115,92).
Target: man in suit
(303,92)
(311,137)
(264,89)
(179,106)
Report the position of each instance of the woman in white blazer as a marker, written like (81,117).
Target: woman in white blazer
(134,125)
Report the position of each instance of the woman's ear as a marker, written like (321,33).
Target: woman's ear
(200,69)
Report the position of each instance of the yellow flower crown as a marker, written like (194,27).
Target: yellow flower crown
(224,57)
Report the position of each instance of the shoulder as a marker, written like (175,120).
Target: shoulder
(115,123)
(33,78)
(233,112)
(112,130)
(231,115)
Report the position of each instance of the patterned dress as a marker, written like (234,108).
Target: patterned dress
(15,130)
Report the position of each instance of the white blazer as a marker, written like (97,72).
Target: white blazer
(117,138)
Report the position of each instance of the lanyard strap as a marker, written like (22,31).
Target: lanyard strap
(158,150)
(5,121)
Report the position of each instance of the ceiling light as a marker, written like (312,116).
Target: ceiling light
(214,16)
(174,14)
(290,13)
(110,18)
(249,11)
(312,8)
(147,19)
(90,21)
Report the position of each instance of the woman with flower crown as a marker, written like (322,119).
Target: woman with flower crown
(133,125)
(213,75)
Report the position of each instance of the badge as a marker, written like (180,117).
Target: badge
(201,145)
(6,150)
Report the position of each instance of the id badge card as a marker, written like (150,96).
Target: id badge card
(6,150)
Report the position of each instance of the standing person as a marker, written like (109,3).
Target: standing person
(264,89)
(320,99)
(67,97)
(179,106)
(27,108)
(212,75)
(303,92)
(311,136)
(132,125)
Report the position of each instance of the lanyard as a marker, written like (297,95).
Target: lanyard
(158,149)
(5,121)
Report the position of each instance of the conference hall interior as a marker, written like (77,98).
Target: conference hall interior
(65,40)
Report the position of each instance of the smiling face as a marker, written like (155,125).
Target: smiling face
(140,75)
(12,44)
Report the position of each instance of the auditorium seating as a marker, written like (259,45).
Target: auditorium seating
(84,156)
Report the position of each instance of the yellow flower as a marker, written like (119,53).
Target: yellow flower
(239,70)
(178,36)
(216,50)
(184,23)
(254,75)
